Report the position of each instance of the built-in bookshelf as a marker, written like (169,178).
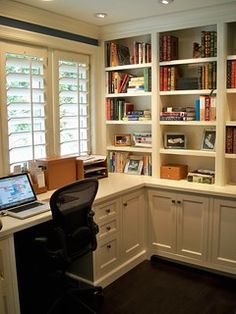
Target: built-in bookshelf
(187,95)
(192,73)
(128,100)
(230,116)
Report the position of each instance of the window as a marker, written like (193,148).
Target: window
(24,103)
(45,109)
(72,99)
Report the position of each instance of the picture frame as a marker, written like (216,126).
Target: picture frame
(134,166)
(142,139)
(122,139)
(208,139)
(175,140)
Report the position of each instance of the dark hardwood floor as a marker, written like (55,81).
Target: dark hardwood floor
(164,287)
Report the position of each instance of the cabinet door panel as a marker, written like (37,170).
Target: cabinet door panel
(192,220)
(224,232)
(107,256)
(162,222)
(133,211)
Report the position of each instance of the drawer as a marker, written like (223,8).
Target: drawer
(106,211)
(107,256)
(108,229)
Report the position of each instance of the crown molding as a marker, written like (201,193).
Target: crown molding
(37,16)
(185,19)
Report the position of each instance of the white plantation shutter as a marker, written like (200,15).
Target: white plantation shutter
(25,105)
(73,103)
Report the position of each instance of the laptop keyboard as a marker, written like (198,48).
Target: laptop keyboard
(25,207)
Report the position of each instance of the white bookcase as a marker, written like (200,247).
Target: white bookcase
(218,160)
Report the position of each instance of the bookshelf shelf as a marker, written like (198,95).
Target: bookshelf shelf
(231,90)
(187,152)
(136,94)
(130,149)
(188,92)
(230,156)
(188,61)
(189,123)
(129,67)
(231,57)
(119,122)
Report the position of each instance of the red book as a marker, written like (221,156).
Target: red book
(207,108)
(229,139)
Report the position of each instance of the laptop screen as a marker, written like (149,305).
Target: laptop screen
(15,190)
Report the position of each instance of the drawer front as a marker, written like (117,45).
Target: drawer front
(107,229)
(107,256)
(106,211)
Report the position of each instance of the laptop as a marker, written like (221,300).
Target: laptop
(18,199)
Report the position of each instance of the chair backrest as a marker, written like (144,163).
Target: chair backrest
(71,208)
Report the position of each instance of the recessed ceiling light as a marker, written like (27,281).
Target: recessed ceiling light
(165,1)
(100,15)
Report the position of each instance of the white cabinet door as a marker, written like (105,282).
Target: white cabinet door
(178,224)
(192,225)
(9,299)
(162,222)
(224,233)
(133,224)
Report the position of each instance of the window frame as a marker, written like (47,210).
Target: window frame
(72,57)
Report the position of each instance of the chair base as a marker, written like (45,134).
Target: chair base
(76,300)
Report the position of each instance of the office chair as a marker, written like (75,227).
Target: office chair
(74,235)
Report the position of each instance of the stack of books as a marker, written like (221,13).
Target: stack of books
(138,115)
(207,76)
(117,108)
(168,75)
(231,74)
(209,44)
(205,107)
(141,52)
(230,142)
(168,48)
(117,54)
(178,114)
(140,83)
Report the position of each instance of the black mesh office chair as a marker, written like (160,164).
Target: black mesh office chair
(74,235)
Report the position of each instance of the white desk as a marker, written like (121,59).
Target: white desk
(112,187)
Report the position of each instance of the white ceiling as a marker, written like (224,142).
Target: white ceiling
(117,10)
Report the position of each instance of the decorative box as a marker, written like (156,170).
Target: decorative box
(174,171)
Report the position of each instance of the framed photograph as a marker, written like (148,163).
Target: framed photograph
(208,139)
(175,140)
(134,166)
(122,140)
(142,139)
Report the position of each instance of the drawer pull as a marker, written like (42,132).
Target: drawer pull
(125,204)
(108,211)
(173,201)
(178,202)
(109,246)
(108,228)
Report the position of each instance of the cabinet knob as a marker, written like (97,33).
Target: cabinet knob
(125,204)
(108,228)
(109,246)
(108,211)
(178,202)
(173,201)
(1,275)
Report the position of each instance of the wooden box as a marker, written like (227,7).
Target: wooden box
(59,171)
(174,171)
